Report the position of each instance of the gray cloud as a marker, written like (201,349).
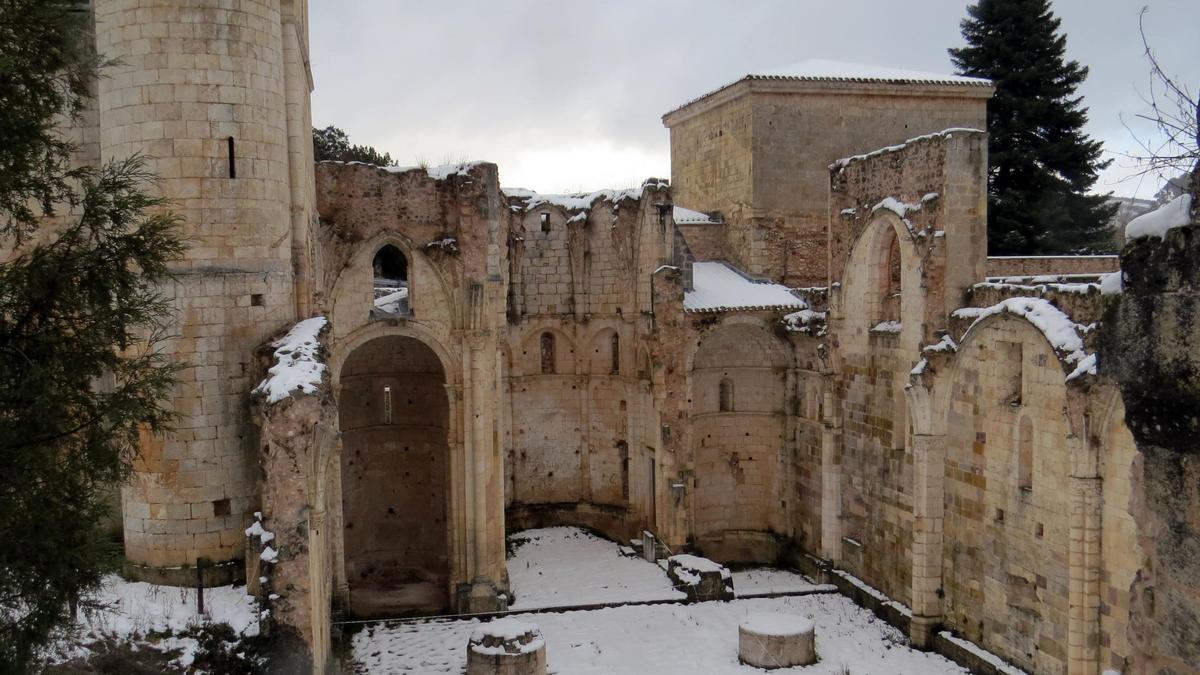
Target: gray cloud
(566,95)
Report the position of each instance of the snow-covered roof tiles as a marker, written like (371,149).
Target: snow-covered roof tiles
(841,71)
(718,286)
(824,70)
(689,217)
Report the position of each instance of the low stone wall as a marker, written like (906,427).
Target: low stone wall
(1016,266)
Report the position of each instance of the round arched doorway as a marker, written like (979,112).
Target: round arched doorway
(394,416)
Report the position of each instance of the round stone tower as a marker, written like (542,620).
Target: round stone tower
(201,88)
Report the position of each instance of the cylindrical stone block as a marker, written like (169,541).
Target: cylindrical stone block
(776,641)
(506,647)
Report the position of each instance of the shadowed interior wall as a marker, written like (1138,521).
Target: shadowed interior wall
(394,414)
(738,392)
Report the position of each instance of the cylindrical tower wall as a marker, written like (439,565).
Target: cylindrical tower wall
(199,90)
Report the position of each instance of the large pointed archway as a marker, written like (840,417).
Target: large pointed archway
(394,415)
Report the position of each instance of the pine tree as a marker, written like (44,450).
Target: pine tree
(331,143)
(83,251)
(1040,162)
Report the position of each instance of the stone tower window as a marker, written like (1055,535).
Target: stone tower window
(389,271)
(547,353)
(616,354)
(725,395)
(232,157)
(1025,455)
(545,221)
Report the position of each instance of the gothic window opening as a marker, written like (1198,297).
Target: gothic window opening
(890,279)
(545,216)
(547,353)
(725,396)
(390,282)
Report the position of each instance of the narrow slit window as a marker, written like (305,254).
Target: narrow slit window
(547,353)
(232,158)
(545,222)
(616,354)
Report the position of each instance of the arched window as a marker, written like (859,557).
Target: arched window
(547,353)
(616,354)
(1025,455)
(390,274)
(725,395)
(889,278)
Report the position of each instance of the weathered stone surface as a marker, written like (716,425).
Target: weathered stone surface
(1152,348)
(702,579)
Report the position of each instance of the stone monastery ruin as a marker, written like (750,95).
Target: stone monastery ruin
(795,350)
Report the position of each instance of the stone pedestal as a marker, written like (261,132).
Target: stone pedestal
(506,647)
(776,641)
(702,579)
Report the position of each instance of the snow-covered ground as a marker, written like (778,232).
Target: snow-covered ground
(661,639)
(566,566)
(766,581)
(129,611)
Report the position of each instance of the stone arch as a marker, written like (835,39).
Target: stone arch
(528,361)
(738,453)
(882,307)
(396,420)
(1005,545)
(351,293)
(870,273)
(604,352)
(344,346)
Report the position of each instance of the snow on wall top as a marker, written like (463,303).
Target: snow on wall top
(1173,214)
(580,200)
(689,217)
(944,133)
(441,172)
(824,70)
(296,362)
(1063,334)
(718,286)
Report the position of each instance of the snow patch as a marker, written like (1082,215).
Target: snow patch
(1112,283)
(945,133)
(1173,214)
(1000,664)
(776,624)
(718,286)
(1062,333)
(887,327)
(684,216)
(296,363)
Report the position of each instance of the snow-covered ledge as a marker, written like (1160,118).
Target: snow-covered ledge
(298,363)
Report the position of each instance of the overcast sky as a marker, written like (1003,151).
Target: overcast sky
(568,95)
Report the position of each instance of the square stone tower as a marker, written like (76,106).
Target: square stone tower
(757,151)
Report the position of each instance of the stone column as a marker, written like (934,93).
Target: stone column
(929,456)
(484,534)
(1083,623)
